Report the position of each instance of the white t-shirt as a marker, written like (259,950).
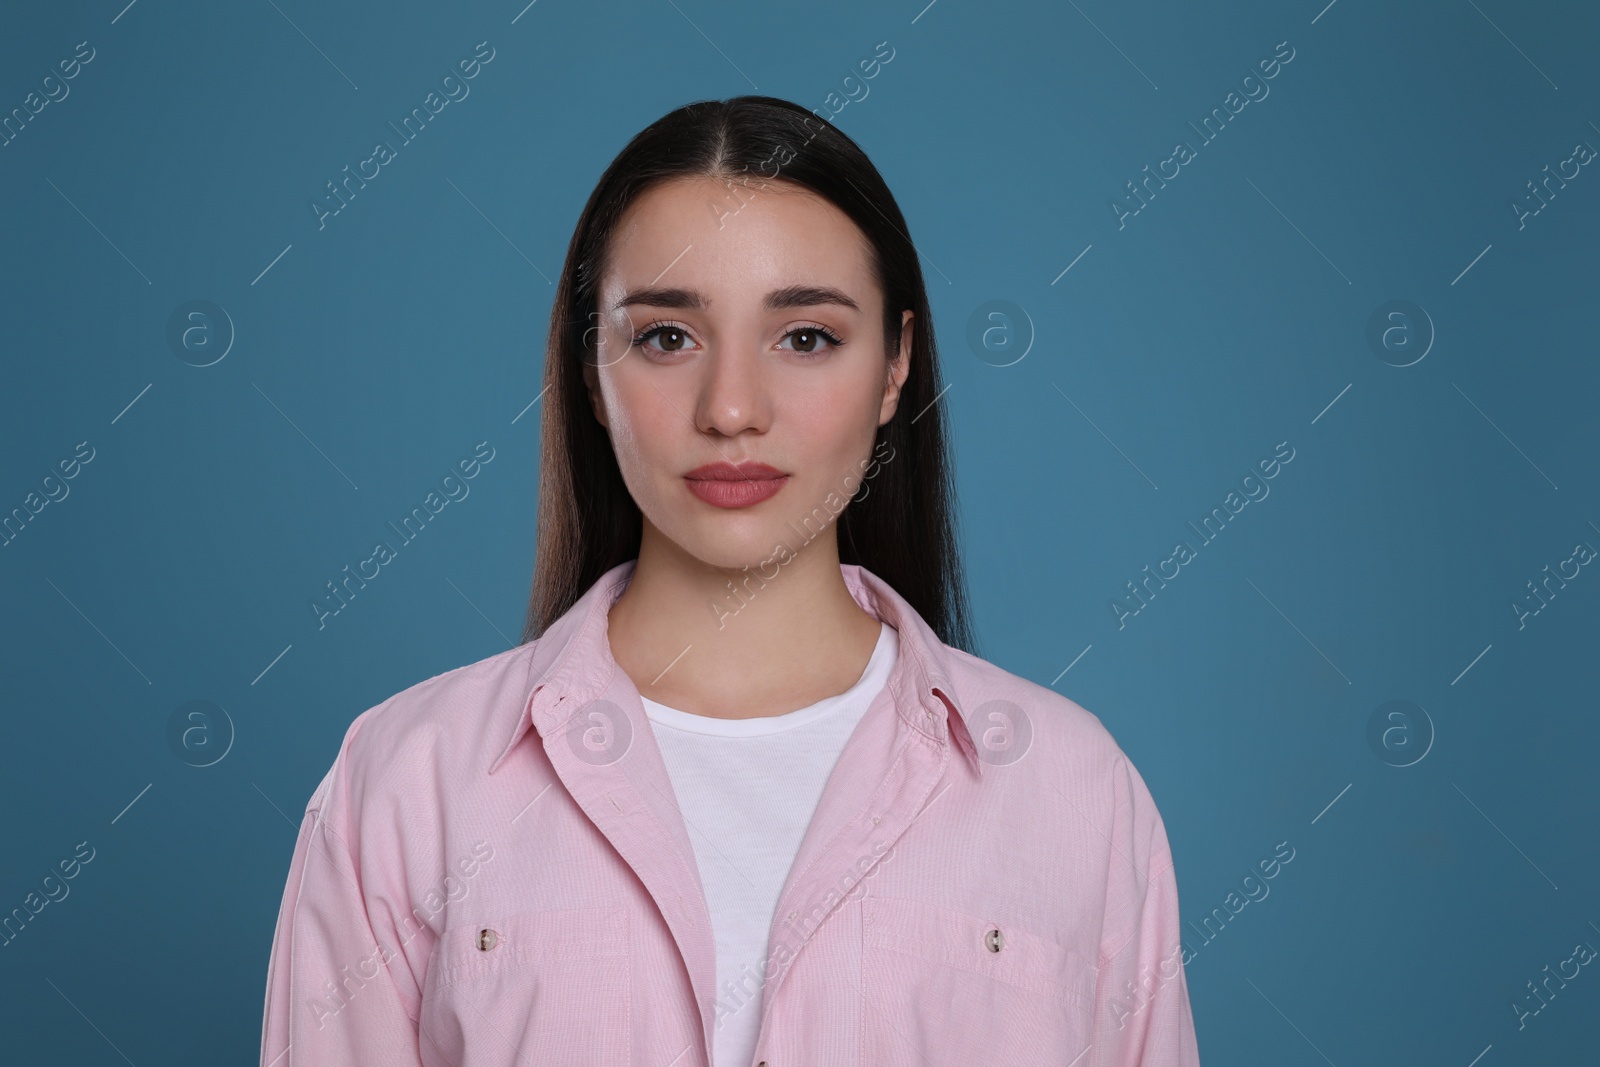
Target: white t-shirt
(747,789)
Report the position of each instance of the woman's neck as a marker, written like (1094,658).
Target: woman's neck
(742,642)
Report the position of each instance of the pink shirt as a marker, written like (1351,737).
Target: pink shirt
(495,871)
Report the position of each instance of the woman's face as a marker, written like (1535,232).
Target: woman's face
(742,327)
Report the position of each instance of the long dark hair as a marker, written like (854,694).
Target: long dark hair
(903,530)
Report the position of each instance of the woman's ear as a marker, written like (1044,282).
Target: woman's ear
(591,381)
(899,368)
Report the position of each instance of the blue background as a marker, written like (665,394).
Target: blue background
(1229,314)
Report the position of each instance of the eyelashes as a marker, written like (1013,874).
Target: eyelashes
(826,334)
(833,339)
(651,330)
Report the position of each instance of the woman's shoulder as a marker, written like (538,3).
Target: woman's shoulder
(988,693)
(434,733)
(980,680)
(1057,743)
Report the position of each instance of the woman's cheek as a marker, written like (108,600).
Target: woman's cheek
(648,449)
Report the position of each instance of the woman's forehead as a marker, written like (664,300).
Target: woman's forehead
(693,234)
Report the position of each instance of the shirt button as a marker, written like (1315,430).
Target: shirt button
(995,940)
(487,939)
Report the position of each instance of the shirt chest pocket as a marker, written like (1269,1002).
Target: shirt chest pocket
(941,986)
(553,984)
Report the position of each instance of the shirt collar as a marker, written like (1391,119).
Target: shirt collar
(571,664)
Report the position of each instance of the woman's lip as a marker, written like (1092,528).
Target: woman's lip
(738,494)
(743,489)
(749,470)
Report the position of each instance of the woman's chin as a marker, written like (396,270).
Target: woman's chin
(730,544)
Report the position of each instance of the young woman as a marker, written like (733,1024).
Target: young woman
(741,797)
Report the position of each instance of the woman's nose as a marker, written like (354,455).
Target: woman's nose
(733,394)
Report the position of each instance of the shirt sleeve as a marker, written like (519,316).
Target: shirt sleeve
(333,994)
(1142,1014)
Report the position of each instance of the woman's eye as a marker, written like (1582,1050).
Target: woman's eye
(811,339)
(672,338)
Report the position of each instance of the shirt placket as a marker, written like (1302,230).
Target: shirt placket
(649,836)
(863,813)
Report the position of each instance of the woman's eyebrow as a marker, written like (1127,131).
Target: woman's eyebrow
(792,296)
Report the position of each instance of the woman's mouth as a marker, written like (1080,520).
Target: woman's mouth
(729,485)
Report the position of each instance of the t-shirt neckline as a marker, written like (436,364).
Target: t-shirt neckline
(866,687)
